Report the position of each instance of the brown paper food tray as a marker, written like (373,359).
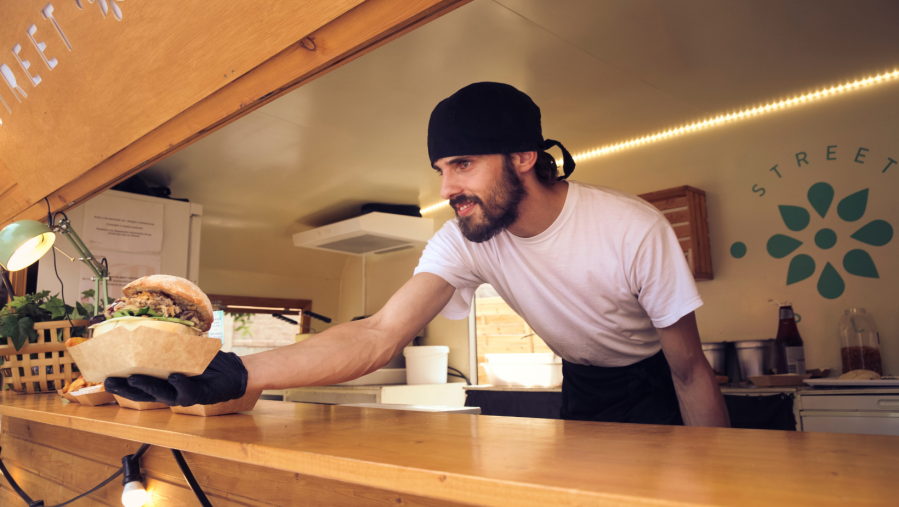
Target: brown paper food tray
(789,379)
(94,399)
(144,350)
(139,405)
(243,404)
(67,396)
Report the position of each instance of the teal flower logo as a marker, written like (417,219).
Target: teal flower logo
(856,261)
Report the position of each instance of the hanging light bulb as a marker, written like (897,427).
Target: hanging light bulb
(134,494)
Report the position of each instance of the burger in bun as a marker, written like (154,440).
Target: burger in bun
(164,302)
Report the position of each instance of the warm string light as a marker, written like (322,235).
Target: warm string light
(435,207)
(718,120)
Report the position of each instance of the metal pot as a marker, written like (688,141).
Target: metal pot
(714,352)
(756,357)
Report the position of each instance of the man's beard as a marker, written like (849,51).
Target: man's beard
(499,210)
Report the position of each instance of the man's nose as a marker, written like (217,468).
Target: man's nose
(449,186)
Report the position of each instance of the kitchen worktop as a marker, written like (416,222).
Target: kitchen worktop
(505,461)
(725,389)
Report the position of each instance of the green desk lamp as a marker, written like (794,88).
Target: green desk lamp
(22,243)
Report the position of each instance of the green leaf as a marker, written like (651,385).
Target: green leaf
(89,293)
(83,311)
(26,332)
(853,207)
(820,196)
(859,263)
(56,308)
(9,326)
(780,246)
(143,311)
(830,283)
(20,302)
(796,218)
(801,267)
(875,233)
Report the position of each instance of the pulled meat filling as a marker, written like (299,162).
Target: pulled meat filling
(161,304)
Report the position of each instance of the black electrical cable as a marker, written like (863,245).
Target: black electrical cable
(189,477)
(40,503)
(62,288)
(460,374)
(15,486)
(10,293)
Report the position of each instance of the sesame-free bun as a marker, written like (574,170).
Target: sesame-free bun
(183,292)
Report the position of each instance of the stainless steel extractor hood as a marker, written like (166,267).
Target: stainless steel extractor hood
(371,233)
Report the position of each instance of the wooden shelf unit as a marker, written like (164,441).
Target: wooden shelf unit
(686,210)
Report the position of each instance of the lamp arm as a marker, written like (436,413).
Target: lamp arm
(101,273)
(96,266)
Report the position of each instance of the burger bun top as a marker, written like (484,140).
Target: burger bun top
(183,292)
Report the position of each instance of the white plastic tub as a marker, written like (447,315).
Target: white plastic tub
(426,364)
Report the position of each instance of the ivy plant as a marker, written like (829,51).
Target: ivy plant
(18,317)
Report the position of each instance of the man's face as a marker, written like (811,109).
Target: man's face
(485,192)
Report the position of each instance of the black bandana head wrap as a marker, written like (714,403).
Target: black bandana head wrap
(487,119)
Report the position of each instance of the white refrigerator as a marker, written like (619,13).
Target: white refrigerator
(139,235)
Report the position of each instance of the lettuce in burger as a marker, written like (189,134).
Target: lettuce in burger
(165,302)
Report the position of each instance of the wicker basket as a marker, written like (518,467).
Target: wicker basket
(41,367)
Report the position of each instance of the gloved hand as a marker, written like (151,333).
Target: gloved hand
(224,379)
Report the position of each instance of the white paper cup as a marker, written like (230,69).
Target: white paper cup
(426,364)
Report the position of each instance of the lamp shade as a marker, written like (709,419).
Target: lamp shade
(22,243)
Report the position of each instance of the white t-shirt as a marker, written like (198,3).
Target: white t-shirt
(594,286)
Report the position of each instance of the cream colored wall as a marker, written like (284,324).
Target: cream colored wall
(262,262)
(384,275)
(727,161)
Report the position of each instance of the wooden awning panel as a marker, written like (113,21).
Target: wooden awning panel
(134,90)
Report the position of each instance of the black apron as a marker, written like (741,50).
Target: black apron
(640,393)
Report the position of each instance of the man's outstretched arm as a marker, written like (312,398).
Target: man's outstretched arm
(350,350)
(700,399)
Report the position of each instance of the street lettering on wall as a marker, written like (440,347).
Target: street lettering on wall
(814,216)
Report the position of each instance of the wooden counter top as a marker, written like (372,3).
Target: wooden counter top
(512,461)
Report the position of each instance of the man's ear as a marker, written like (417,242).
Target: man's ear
(524,161)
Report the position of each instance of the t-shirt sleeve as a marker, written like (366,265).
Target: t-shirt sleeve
(664,282)
(446,256)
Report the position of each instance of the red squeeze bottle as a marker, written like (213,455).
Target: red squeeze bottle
(790,356)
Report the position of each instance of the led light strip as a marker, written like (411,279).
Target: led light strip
(718,120)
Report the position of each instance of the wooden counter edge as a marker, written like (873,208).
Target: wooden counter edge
(415,481)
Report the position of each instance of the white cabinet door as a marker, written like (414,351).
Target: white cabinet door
(868,423)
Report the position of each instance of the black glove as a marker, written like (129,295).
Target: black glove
(224,379)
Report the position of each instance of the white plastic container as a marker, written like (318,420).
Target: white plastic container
(524,370)
(426,364)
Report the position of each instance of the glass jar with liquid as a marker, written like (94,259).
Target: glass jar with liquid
(859,341)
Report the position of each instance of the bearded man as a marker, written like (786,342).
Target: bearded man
(597,273)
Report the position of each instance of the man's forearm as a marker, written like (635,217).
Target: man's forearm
(342,353)
(700,399)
